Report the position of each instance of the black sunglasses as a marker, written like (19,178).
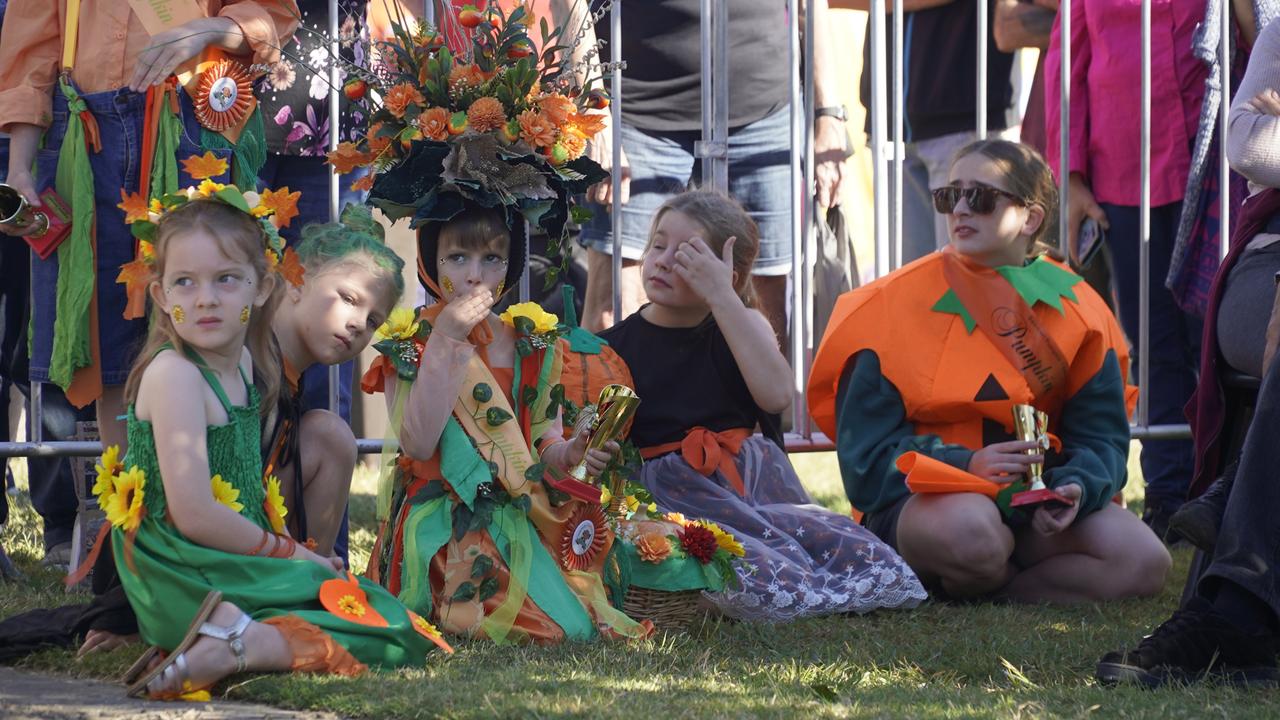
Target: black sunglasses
(980,199)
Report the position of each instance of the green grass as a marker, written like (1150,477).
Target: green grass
(934,662)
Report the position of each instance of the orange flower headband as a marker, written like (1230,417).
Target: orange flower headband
(274,209)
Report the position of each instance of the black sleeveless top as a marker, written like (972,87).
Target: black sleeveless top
(685,377)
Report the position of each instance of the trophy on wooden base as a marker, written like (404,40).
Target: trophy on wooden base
(1031,425)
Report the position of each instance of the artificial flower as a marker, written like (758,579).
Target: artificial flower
(281,204)
(588,125)
(351,606)
(557,108)
(653,547)
(400,97)
(124,507)
(572,143)
(699,542)
(726,541)
(203,167)
(677,518)
(208,188)
(377,143)
(189,694)
(434,124)
(225,493)
(486,114)
(542,320)
(536,129)
(274,505)
(466,75)
(401,324)
(108,467)
(344,598)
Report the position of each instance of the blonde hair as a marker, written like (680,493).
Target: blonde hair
(240,237)
(721,217)
(1028,176)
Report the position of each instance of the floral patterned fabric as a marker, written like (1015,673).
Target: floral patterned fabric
(294,93)
(801,560)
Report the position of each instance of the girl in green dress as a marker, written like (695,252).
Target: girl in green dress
(198,537)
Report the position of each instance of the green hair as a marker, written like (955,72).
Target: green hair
(357,238)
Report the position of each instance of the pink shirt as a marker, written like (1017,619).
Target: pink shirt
(1106,86)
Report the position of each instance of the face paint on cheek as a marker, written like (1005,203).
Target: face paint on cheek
(178,315)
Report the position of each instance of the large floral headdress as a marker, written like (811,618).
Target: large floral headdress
(490,122)
(273,209)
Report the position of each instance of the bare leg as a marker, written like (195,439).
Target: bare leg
(957,540)
(1106,555)
(772,292)
(210,659)
(328,460)
(109,408)
(597,306)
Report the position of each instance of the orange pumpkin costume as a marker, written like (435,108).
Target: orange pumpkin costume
(904,367)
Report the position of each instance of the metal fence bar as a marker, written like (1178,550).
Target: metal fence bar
(335,190)
(615,177)
(1144,226)
(803,246)
(899,142)
(798,191)
(877,111)
(1064,127)
(1224,111)
(980,116)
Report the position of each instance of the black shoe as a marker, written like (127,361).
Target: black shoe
(1200,519)
(1191,646)
(1157,518)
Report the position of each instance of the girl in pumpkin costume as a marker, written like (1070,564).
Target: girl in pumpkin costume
(918,374)
(482,530)
(708,370)
(198,536)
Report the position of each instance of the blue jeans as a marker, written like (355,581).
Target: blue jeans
(662,165)
(1175,346)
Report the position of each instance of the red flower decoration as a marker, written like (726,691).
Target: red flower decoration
(583,537)
(345,598)
(699,542)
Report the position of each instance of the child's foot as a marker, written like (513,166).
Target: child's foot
(211,658)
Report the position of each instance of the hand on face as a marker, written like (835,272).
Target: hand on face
(464,311)
(710,277)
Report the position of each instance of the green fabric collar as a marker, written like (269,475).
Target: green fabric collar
(1038,281)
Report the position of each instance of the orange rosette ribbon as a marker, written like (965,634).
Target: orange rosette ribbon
(224,96)
(583,537)
(344,598)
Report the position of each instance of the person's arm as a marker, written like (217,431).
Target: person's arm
(22,154)
(432,394)
(30,55)
(183,456)
(830,137)
(264,26)
(1094,430)
(872,431)
(1253,137)
(1020,24)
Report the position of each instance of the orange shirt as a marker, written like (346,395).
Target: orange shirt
(111,38)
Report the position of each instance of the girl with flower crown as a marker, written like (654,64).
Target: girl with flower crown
(482,530)
(199,539)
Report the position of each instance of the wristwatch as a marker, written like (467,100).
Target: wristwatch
(833,111)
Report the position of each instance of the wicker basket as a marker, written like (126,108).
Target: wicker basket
(669,611)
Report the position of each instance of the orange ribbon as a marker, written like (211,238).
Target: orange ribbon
(706,451)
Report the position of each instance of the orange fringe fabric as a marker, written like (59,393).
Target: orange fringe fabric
(314,650)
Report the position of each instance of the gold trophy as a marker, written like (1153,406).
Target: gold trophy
(1032,425)
(17,213)
(605,420)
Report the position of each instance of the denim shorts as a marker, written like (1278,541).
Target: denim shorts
(663,164)
(120,114)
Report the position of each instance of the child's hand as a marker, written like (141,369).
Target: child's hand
(709,276)
(1052,518)
(1004,461)
(597,460)
(332,564)
(464,312)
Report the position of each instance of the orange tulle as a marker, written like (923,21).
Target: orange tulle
(314,650)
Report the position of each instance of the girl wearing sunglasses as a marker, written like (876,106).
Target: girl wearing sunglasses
(917,378)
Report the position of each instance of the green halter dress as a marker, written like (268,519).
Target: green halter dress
(166,576)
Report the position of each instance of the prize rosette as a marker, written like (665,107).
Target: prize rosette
(224,95)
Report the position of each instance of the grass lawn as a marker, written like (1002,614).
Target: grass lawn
(934,662)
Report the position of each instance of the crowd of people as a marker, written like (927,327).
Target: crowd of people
(199,299)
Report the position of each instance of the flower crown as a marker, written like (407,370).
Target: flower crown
(482,116)
(273,209)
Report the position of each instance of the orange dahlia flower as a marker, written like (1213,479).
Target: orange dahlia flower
(399,97)
(536,129)
(434,123)
(653,547)
(486,114)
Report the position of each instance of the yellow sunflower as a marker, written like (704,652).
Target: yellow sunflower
(402,324)
(274,505)
(225,493)
(124,507)
(725,540)
(108,467)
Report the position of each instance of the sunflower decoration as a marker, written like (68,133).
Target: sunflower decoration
(225,493)
(344,598)
(274,209)
(401,339)
(124,508)
(428,631)
(274,506)
(107,468)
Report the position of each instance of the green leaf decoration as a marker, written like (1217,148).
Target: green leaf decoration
(534,472)
(488,588)
(482,565)
(461,520)
(494,469)
(524,348)
(528,395)
(482,393)
(552,409)
(524,325)
(495,416)
(580,214)
(523,502)
(465,592)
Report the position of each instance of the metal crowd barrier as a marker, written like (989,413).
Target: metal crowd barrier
(885,153)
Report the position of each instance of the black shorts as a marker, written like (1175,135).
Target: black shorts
(884,523)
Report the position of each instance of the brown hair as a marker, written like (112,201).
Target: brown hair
(721,217)
(474,228)
(239,236)
(1027,175)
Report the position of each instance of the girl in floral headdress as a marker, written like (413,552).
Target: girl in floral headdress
(481,528)
(196,532)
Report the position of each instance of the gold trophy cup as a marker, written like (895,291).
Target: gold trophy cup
(1032,425)
(17,213)
(605,421)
